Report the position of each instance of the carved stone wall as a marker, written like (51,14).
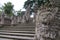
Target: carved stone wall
(47,24)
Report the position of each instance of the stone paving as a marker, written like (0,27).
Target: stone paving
(5,39)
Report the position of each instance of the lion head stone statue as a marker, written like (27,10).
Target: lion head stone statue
(47,15)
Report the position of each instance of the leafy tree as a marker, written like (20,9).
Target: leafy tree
(8,8)
(28,2)
(19,13)
(1,10)
(39,3)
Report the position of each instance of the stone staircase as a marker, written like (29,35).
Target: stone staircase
(24,31)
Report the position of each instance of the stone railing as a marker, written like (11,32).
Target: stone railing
(5,20)
(13,20)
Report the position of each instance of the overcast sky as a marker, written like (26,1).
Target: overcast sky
(18,4)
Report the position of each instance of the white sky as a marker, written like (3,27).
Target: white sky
(18,4)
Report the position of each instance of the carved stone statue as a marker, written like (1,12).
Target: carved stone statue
(46,24)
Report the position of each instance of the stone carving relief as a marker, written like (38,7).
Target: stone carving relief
(45,24)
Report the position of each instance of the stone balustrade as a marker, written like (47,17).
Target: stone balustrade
(5,20)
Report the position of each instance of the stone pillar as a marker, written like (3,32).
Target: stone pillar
(27,13)
(23,19)
(13,20)
(2,18)
(19,19)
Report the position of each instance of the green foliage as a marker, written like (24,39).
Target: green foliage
(1,8)
(28,2)
(8,8)
(0,12)
(43,2)
(19,13)
(39,2)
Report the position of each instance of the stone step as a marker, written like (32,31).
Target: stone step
(20,29)
(31,32)
(16,37)
(26,35)
(17,34)
(5,39)
(27,24)
(24,26)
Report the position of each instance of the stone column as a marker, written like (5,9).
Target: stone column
(27,13)
(19,19)
(2,18)
(14,20)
